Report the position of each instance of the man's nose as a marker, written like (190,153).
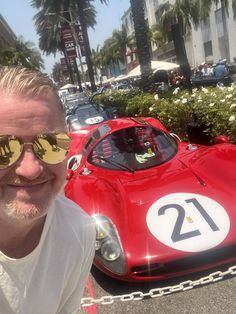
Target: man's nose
(29,166)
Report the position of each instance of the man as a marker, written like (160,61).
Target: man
(46,241)
(220,69)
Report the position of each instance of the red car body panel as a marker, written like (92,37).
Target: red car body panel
(127,198)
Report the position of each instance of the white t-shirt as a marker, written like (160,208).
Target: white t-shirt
(51,279)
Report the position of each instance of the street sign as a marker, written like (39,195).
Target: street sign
(63,64)
(71,61)
(69,42)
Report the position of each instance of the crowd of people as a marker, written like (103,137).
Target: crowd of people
(206,70)
(218,70)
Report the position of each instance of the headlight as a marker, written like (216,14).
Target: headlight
(109,250)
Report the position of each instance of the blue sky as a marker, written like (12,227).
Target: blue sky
(19,16)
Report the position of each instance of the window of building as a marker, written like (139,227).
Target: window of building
(208,48)
(206,30)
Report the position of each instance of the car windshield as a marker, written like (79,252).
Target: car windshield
(134,148)
(88,111)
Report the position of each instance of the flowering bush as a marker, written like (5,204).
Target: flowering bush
(117,99)
(213,108)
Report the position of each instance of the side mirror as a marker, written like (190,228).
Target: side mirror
(73,163)
(221,139)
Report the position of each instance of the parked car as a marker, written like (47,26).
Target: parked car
(83,112)
(72,101)
(88,114)
(122,87)
(211,80)
(160,207)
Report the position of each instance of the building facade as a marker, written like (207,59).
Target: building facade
(210,42)
(7,36)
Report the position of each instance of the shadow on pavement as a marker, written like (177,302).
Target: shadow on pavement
(117,287)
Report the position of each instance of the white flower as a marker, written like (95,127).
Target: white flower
(230,89)
(232,106)
(194,90)
(176,90)
(222,100)
(232,118)
(151,108)
(199,100)
(177,101)
(156,97)
(229,96)
(204,90)
(211,104)
(184,100)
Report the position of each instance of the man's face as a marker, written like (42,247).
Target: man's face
(28,186)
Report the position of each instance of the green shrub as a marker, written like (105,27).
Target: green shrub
(119,99)
(213,108)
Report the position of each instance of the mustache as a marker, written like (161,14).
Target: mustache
(18,180)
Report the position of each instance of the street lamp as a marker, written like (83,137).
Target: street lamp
(72,24)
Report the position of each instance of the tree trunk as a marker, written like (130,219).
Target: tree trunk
(181,55)
(143,44)
(78,77)
(87,46)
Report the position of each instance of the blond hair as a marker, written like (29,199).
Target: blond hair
(27,83)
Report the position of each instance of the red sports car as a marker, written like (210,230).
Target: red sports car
(162,207)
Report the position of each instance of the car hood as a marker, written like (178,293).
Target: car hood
(176,209)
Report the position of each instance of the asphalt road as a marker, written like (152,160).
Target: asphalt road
(213,298)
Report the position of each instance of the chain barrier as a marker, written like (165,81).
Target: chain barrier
(159,292)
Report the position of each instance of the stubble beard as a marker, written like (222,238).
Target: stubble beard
(25,211)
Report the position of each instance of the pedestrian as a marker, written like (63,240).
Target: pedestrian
(46,241)
(205,70)
(220,69)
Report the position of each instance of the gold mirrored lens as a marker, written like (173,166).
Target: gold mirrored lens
(52,148)
(10,150)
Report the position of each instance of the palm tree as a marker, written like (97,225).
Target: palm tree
(177,17)
(120,43)
(24,53)
(57,74)
(142,41)
(157,35)
(79,8)
(48,28)
(113,52)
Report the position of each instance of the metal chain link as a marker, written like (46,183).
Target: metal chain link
(159,292)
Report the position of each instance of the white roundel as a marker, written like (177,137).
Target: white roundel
(188,222)
(74,162)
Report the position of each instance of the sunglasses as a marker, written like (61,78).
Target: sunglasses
(50,148)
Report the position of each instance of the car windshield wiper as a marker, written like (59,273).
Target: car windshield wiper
(115,163)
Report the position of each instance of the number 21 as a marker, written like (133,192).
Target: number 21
(176,234)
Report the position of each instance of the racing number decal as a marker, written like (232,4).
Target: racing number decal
(177,235)
(188,222)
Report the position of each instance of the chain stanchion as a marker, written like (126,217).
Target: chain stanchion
(159,292)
